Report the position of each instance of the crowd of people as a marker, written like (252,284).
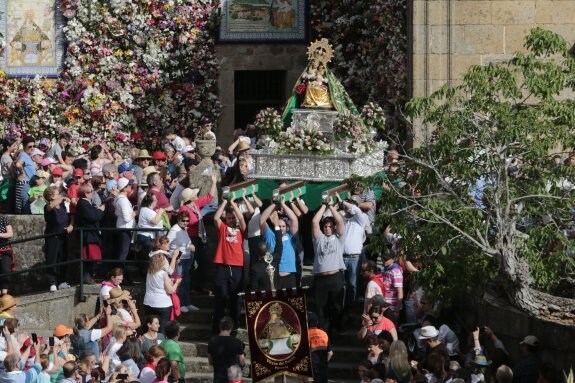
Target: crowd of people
(161,213)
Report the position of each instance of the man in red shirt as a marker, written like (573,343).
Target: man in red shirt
(229,262)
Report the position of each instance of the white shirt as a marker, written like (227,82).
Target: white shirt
(354,231)
(111,352)
(178,143)
(371,290)
(147,375)
(156,295)
(179,239)
(124,212)
(144,221)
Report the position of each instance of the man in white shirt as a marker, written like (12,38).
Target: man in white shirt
(125,215)
(353,245)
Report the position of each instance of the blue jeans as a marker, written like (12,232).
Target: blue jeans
(184,268)
(350,279)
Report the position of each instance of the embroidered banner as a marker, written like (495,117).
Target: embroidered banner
(277,332)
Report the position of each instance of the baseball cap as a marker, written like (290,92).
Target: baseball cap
(57,172)
(159,155)
(125,167)
(48,161)
(123,182)
(61,330)
(111,184)
(45,141)
(37,152)
(41,174)
(530,340)
(78,172)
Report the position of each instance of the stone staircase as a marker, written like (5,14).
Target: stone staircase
(196,331)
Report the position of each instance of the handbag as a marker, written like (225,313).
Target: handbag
(202,234)
(6,184)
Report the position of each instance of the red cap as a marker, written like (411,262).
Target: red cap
(159,155)
(78,172)
(57,172)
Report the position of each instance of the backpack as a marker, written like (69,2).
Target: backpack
(378,278)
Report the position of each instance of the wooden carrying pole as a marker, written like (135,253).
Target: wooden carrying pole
(344,192)
(290,192)
(239,190)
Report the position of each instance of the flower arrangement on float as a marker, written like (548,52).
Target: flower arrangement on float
(297,140)
(131,66)
(268,122)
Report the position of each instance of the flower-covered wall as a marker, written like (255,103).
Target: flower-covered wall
(132,68)
(370,44)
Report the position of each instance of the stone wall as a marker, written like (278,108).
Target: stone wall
(557,341)
(449,36)
(289,57)
(40,313)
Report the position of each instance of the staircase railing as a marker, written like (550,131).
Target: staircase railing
(78,259)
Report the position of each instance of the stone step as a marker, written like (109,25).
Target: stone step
(348,354)
(197,366)
(202,332)
(200,365)
(196,377)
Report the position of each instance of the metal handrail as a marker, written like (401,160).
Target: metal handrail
(80,259)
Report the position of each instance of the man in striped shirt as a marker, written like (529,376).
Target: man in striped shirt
(393,281)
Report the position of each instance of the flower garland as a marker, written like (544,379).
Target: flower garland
(131,67)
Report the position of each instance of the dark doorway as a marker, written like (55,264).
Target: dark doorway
(255,90)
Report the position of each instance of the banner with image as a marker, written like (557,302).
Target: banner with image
(278,337)
(33,33)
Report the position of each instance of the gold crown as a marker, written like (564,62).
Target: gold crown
(321,51)
(276,308)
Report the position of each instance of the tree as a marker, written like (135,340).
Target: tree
(482,198)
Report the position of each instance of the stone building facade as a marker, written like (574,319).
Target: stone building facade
(288,58)
(449,36)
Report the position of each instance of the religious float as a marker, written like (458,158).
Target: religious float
(321,135)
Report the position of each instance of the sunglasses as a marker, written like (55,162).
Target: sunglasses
(184,220)
(30,146)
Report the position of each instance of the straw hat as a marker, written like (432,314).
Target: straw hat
(188,194)
(7,301)
(243,146)
(117,294)
(147,171)
(144,155)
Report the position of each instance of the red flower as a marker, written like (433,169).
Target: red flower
(300,89)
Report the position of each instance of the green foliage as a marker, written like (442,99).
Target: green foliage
(484,190)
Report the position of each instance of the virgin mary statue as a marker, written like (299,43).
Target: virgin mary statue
(317,87)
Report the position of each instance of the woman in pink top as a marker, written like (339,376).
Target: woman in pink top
(375,323)
(191,203)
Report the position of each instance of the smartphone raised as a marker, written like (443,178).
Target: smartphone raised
(34,337)
(51,341)
(121,376)
(179,255)
(105,303)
